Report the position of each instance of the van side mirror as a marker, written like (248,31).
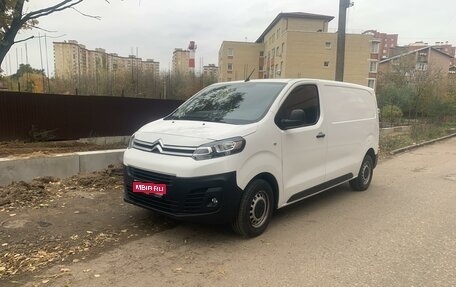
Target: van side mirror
(297,118)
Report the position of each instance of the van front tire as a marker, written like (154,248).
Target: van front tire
(362,182)
(255,210)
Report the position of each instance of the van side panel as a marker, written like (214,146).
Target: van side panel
(352,128)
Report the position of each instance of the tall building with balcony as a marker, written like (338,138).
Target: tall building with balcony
(73,61)
(386,42)
(70,59)
(181,60)
(298,45)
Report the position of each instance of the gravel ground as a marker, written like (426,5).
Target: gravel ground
(50,221)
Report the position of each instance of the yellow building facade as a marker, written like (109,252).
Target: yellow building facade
(298,45)
(73,61)
(181,60)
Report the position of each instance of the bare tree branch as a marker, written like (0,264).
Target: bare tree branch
(49,10)
(14,18)
(23,40)
(42,29)
(53,37)
(86,15)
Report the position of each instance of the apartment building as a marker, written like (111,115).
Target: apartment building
(444,47)
(420,59)
(298,45)
(238,59)
(210,71)
(74,61)
(386,42)
(181,59)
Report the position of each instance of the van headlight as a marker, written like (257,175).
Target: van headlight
(130,141)
(219,148)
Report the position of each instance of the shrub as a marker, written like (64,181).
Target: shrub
(391,113)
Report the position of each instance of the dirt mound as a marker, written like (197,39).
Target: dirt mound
(101,179)
(19,194)
(22,193)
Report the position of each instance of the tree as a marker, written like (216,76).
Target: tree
(26,69)
(418,93)
(28,79)
(13,19)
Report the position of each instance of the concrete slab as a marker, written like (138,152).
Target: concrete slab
(105,140)
(400,129)
(119,139)
(26,169)
(98,160)
(60,166)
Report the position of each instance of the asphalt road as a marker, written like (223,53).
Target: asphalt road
(401,232)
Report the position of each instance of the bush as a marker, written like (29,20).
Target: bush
(391,113)
(424,132)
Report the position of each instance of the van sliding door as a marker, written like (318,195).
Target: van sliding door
(303,142)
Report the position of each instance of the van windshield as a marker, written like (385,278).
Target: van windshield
(237,103)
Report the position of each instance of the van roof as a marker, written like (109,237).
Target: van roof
(293,81)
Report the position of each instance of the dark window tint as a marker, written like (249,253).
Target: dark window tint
(237,103)
(303,98)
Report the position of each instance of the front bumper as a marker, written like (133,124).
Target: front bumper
(187,198)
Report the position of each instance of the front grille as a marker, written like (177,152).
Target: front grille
(160,148)
(152,201)
(139,174)
(194,200)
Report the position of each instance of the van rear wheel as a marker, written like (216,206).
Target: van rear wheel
(362,182)
(255,210)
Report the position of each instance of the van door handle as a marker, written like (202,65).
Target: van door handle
(320,135)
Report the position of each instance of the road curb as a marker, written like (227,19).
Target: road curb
(411,147)
(60,165)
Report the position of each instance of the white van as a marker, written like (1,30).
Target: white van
(236,151)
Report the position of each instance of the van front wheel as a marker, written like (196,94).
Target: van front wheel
(255,210)
(362,182)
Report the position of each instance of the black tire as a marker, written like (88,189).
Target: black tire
(255,210)
(362,182)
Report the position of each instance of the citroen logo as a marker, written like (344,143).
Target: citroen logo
(157,146)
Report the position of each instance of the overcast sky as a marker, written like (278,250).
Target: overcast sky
(156,27)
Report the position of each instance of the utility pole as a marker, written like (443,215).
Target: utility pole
(42,66)
(340,61)
(47,64)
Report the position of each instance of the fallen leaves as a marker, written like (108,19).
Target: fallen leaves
(21,262)
(39,193)
(15,263)
(45,244)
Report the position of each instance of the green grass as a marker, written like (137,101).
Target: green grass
(391,142)
(418,134)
